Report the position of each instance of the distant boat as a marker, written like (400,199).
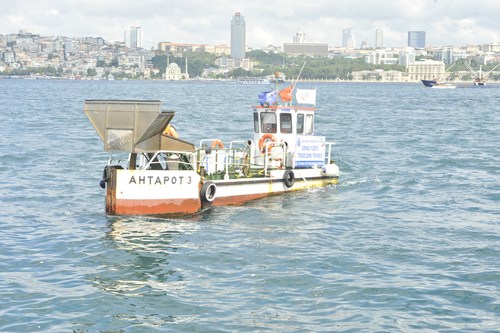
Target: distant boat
(278,77)
(480,78)
(441,85)
(438,84)
(436,80)
(429,83)
(252,80)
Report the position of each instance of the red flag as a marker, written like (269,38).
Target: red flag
(286,94)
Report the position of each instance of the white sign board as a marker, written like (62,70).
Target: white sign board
(309,151)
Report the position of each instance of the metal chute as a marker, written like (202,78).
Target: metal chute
(133,125)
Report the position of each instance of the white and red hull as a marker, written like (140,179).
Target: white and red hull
(152,192)
(177,193)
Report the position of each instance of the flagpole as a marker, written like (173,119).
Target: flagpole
(304,65)
(298,76)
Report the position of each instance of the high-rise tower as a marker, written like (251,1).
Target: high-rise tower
(379,38)
(133,38)
(416,39)
(348,39)
(238,40)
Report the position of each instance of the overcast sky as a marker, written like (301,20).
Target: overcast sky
(446,22)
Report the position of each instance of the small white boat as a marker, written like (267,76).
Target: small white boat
(444,86)
(249,80)
(154,172)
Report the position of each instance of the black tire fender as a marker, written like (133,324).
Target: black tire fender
(208,191)
(289,178)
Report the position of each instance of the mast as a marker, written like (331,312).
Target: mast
(296,80)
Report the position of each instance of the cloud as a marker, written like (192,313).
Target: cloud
(446,22)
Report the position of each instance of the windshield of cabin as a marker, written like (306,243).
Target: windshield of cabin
(268,122)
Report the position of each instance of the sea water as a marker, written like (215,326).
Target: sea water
(409,239)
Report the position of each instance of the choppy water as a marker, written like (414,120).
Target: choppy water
(409,240)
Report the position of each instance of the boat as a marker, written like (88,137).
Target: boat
(442,85)
(153,171)
(438,84)
(480,78)
(437,81)
(277,78)
(429,83)
(252,80)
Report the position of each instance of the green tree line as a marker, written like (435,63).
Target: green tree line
(266,63)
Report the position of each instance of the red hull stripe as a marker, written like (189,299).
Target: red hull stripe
(156,207)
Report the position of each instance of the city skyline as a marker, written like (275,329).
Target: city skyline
(446,22)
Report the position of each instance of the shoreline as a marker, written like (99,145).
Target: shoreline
(49,78)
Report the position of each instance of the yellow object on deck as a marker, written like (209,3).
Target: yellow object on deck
(170,131)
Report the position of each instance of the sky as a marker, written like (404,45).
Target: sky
(271,22)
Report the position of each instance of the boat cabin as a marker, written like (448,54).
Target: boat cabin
(287,131)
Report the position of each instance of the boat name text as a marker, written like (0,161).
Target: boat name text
(157,180)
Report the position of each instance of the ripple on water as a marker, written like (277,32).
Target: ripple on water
(406,241)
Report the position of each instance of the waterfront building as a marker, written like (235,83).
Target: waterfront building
(238,37)
(308,49)
(178,49)
(301,47)
(407,56)
(219,49)
(381,57)
(416,39)
(491,47)
(173,73)
(425,70)
(378,75)
(9,57)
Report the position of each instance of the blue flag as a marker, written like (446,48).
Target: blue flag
(268,97)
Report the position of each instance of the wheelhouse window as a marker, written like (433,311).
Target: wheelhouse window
(309,124)
(286,123)
(300,123)
(256,122)
(268,122)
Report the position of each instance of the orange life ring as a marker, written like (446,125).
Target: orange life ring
(265,138)
(217,143)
